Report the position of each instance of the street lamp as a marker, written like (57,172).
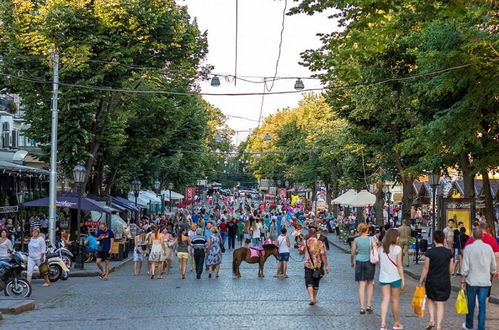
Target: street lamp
(170,187)
(299,85)
(218,138)
(79,173)
(267,137)
(215,81)
(136,190)
(20,202)
(157,187)
(434,181)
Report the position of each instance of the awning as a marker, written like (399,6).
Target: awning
(362,199)
(70,200)
(12,167)
(145,198)
(343,198)
(118,225)
(175,195)
(125,203)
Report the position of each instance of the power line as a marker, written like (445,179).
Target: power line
(135,91)
(280,46)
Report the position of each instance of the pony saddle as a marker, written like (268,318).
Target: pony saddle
(257,252)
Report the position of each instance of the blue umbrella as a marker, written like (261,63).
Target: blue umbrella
(70,200)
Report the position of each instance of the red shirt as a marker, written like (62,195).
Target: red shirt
(223,227)
(487,239)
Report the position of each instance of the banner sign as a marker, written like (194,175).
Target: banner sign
(9,209)
(92,223)
(282,192)
(190,192)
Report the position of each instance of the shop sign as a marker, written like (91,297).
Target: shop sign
(9,209)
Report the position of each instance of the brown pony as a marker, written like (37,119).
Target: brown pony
(243,254)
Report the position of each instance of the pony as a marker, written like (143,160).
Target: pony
(244,254)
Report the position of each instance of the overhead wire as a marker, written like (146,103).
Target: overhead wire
(280,45)
(329,87)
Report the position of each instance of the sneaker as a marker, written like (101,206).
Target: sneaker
(465,328)
(398,326)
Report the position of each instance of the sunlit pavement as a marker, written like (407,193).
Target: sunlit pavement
(137,302)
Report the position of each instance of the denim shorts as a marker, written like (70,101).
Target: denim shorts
(284,256)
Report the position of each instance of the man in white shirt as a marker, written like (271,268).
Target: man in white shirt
(479,266)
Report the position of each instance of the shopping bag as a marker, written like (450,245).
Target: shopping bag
(419,301)
(461,303)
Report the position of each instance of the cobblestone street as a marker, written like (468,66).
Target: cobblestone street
(128,302)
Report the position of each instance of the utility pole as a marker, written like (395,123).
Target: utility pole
(53,150)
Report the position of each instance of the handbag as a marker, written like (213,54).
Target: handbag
(461,303)
(318,272)
(373,253)
(419,301)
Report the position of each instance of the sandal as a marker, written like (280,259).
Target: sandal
(383,327)
(362,311)
(398,326)
(369,310)
(431,325)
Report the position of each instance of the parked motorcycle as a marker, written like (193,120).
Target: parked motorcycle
(63,253)
(10,274)
(57,268)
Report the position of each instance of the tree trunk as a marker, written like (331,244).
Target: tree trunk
(328,198)
(378,206)
(468,175)
(489,203)
(407,181)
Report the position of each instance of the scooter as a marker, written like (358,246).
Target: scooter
(57,268)
(63,253)
(10,273)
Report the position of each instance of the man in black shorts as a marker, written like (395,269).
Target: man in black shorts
(105,237)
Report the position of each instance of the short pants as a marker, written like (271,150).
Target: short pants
(394,285)
(182,255)
(104,255)
(284,256)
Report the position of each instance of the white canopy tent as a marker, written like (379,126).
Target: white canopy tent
(118,225)
(145,198)
(344,197)
(362,199)
(175,195)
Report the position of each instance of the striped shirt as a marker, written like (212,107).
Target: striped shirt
(198,242)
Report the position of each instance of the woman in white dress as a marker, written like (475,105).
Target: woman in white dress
(156,241)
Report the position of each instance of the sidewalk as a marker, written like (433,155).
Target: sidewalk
(414,271)
(90,269)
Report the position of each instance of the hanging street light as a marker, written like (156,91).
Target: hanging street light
(215,81)
(157,186)
(299,85)
(79,173)
(267,137)
(217,151)
(218,138)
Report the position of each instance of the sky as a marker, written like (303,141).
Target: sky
(259,23)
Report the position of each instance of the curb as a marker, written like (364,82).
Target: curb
(96,273)
(493,300)
(15,306)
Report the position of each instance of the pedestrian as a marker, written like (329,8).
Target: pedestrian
(191,233)
(458,250)
(284,245)
(105,237)
(183,242)
(36,255)
(405,235)
(138,252)
(256,232)
(5,244)
(156,257)
(223,230)
(436,271)
(214,258)
(232,232)
(315,263)
(449,235)
(364,269)
(479,264)
(198,244)
(273,231)
(391,277)
(240,232)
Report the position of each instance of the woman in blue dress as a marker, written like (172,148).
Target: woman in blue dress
(214,258)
